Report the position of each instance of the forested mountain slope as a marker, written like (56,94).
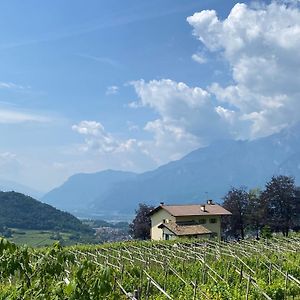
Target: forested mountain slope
(205,172)
(20,211)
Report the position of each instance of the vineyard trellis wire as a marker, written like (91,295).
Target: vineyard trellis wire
(194,269)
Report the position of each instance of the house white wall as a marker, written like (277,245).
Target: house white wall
(161,215)
(156,219)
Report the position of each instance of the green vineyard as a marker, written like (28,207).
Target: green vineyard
(195,269)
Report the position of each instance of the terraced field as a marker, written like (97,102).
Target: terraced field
(194,269)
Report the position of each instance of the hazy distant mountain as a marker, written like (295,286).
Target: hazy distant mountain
(206,172)
(6,186)
(81,190)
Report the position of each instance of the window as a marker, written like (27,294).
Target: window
(213,220)
(192,222)
(167,236)
(202,221)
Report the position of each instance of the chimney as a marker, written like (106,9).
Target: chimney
(209,202)
(202,207)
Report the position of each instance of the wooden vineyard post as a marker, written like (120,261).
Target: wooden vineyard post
(227,270)
(155,284)
(141,284)
(203,274)
(241,273)
(147,288)
(106,261)
(195,290)
(248,287)
(270,270)
(166,276)
(115,283)
(122,273)
(285,284)
(148,262)
(128,295)
(136,294)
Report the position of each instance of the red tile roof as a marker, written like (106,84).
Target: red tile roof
(181,230)
(193,210)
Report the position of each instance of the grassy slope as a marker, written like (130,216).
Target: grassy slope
(38,238)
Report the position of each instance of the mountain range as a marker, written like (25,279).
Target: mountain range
(207,172)
(7,186)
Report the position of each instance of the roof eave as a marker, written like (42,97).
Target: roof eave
(163,225)
(208,214)
(156,209)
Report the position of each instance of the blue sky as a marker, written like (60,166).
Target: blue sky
(91,85)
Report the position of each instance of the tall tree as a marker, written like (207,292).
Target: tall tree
(141,224)
(280,198)
(296,224)
(256,211)
(236,201)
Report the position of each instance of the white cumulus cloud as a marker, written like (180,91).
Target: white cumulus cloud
(199,58)
(169,141)
(261,45)
(187,118)
(109,150)
(112,90)
(190,109)
(99,140)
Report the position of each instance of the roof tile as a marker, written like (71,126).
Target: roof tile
(195,210)
(181,230)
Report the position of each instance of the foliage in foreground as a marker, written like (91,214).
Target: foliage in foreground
(207,269)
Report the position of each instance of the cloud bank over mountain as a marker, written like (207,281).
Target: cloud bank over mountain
(206,172)
(260,45)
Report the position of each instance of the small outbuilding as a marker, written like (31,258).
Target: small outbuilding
(195,220)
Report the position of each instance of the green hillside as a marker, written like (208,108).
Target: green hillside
(24,212)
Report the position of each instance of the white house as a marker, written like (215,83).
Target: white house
(195,220)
